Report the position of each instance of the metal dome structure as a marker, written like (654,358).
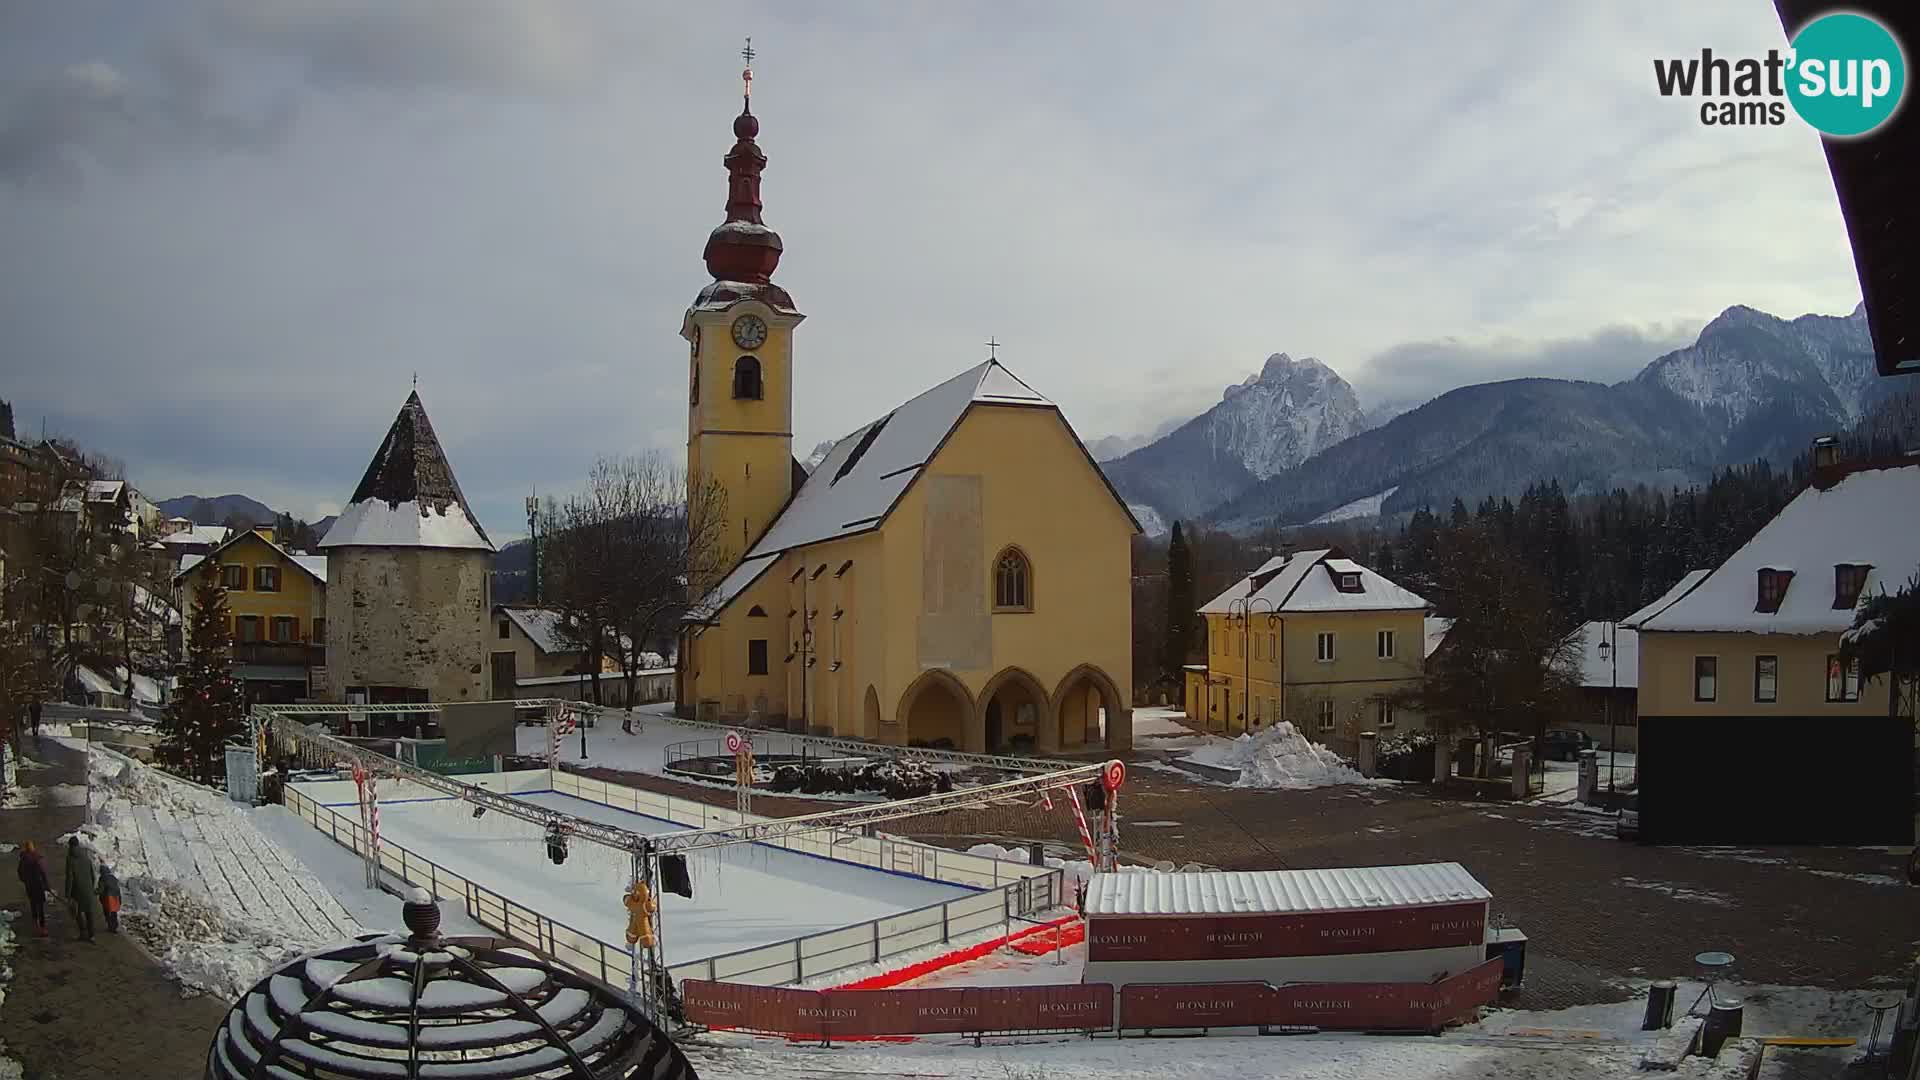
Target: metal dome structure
(423,1006)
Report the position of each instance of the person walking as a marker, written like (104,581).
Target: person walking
(110,898)
(80,886)
(33,876)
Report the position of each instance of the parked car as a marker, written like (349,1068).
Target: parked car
(1626,825)
(1564,744)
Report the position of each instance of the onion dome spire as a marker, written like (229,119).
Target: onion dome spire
(742,248)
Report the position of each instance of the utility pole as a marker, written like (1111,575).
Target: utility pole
(533,538)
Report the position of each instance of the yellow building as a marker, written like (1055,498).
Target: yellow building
(531,642)
(1316,639)
(955,573)
(277,612)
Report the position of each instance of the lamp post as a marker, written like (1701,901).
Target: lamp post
(1610,652)
(1243,610)
(581,719)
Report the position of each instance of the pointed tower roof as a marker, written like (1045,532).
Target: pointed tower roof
(408,497)
(742,252)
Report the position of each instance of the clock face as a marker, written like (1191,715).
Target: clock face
(749,332)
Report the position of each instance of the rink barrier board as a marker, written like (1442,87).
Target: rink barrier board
(1087,1007)
(793,960)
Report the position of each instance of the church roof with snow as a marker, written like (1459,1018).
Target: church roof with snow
(408,497)
(863,477)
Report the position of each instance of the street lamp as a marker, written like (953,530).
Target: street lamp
(1610,653)
(1242,610)
(533,539)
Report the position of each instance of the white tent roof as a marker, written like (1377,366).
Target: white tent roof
(1297,583)
(1257,892)
(1870,517)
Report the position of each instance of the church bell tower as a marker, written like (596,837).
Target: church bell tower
(739,333)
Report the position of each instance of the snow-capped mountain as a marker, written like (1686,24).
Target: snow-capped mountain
(1280,416)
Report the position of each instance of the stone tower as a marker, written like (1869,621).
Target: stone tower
(740,368)
(409,578)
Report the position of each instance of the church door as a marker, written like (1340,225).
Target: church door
(993,726)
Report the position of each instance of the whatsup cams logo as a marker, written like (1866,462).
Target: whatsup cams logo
(1845,75)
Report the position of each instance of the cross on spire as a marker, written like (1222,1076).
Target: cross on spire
(746,74)
(993,349)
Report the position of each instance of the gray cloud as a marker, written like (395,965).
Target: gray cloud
(1416,371)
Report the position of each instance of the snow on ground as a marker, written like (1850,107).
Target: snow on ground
(49,795)
(1369,506)
(9,1068)
(344,875)
(1691,896)
(744,896)
(214,900)
(1279,757)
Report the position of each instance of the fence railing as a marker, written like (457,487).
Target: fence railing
(1008,892)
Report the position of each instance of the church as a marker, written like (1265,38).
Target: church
(955,574)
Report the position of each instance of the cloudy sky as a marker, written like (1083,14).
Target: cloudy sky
(234,230)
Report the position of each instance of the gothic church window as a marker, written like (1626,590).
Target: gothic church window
(1012,582)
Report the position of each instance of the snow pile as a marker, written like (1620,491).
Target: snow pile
(204,891)
(1279,757)
(9,1068)
(48,795)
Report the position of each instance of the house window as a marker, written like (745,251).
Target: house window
(1323,646)
(1325,708)
(234,578)
(1766,678)
(285,629)
(1349,582)
(756,612)
(247,629)
(1843,679)
(504,632)
(319,631)
(1258,649)
(1383,713)
(1258,711)
(1012,582)
(757,656)
(1384,640)
(1848,580)
(1773,589)
(1706,677)
(746,378)
(266,579)
(1273,651)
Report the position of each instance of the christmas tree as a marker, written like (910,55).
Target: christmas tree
(208,709)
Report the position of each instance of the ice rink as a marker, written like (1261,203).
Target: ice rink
(744,896)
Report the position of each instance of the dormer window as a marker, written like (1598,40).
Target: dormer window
(1848,580)
(1773,589)
(1346,575)
(1349,582)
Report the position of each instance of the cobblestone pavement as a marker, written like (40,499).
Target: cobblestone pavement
(1599,914)
(79,1010)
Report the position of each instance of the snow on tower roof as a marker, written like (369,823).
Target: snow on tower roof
(856,486)
(1258,892)
(1289,584)
(1869,517)
(408,497)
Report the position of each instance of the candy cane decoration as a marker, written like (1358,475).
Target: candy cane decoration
(1080,819)
(373,831)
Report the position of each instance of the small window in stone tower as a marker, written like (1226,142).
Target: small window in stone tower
(1012,582)
(746,378)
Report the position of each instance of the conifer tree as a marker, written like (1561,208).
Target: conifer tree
(1180,603)
(208,709)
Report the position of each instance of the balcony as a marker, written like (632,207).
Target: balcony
(279,654)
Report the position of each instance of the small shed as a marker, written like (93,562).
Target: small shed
(1362,924)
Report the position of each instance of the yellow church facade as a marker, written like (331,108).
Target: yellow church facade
(954,574)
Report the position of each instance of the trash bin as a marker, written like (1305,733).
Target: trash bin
(1723,1023)
(1660,1006)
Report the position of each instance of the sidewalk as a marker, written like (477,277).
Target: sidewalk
(77,1009)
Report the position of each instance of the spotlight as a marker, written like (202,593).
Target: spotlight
(477,811)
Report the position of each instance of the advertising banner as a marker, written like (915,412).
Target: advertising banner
(1327,933)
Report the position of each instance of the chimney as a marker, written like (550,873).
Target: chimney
(1826,452)
(264,532)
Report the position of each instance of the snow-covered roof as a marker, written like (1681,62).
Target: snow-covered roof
(1297,583)
(408,496)
(312,564)
(316,565)
(1436,632)
(105,490)
(542,626)
(1870,517)
(1281,891)
(1601,672)
(1681,588)
(854,488)
(210,535)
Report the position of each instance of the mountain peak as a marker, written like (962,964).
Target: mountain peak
(1738,315)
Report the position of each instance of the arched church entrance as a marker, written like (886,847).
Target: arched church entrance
(1013,711)
(1088,709)
(935,712)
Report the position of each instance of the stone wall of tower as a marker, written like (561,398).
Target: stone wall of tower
(408,617)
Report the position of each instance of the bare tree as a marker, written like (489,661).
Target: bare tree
(624,555)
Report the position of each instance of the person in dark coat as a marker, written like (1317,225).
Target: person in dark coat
(80,886)
(33,876)
(110,898)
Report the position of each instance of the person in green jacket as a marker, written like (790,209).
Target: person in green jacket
(80,886)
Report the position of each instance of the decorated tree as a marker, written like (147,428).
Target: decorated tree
(208,709)
(1885,640)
